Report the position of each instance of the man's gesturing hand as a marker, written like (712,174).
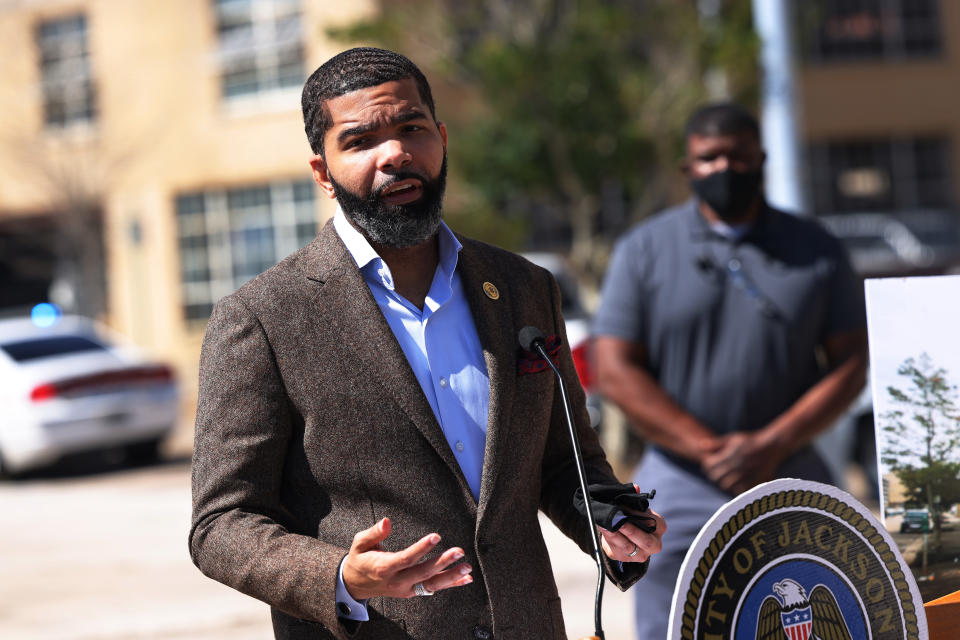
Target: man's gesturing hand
(370,571)
(618,545)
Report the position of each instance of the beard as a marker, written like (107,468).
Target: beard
(398,226)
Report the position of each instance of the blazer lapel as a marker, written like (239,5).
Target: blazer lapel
(494,319)
(345,296)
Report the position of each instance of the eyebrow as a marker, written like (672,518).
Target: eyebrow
(360,129)
(734,154)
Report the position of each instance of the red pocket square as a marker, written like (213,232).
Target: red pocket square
(530,362)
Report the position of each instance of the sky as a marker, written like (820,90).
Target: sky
(906,317)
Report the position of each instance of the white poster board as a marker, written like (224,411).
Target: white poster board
(914,331)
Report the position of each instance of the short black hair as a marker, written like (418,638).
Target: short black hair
(721,119)
(348,71)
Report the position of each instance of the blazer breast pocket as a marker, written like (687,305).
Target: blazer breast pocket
(529,362)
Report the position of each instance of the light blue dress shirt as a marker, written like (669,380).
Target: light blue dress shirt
(443,349)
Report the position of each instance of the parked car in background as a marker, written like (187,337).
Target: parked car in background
(924,242)
(915,521)
(69,388)
(577,321)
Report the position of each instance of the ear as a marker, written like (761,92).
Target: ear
(684,167)
(320,175)
(442,128)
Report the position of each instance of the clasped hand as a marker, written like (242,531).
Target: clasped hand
(369,571)
(740,461)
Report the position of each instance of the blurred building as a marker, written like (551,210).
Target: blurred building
(894,491)
(152,155)
(880,99)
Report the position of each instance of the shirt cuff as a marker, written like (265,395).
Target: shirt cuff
(347,607)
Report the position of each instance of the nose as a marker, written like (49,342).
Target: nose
(721,162)
(393,156)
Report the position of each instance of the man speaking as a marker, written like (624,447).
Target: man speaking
(368,431)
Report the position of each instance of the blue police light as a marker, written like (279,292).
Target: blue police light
(45,315)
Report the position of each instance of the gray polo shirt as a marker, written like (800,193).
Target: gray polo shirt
(730,326)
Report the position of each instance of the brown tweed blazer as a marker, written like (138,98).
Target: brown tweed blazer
(311,426)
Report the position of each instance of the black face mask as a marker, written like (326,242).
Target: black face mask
(728,192)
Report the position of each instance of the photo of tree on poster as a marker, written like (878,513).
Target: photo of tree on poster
(922,437)
(915,371)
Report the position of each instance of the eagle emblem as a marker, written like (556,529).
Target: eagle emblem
(791,615)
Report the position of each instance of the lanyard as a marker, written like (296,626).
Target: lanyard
(736,274)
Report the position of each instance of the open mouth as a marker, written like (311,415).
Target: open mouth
(402,192)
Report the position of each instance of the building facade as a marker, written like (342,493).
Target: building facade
(880,98)
(152,155)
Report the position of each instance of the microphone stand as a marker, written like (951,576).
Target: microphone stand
(539,345)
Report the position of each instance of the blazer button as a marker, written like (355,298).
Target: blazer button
(482,633)
(483,547)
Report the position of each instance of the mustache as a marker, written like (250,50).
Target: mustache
(395,178)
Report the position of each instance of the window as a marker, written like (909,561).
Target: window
(839,30)
(261,45)
(229,236)
(68,92)
(880,175)
(46,347)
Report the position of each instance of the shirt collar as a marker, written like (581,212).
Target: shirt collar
(700,229)
(731,231)
(373,266)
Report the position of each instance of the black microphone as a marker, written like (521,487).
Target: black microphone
(531,339)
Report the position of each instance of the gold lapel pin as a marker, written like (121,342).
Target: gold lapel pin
(491,291)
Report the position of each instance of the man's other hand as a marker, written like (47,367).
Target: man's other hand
(618,545)
(369,571)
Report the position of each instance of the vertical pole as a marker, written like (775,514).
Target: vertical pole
(779,109)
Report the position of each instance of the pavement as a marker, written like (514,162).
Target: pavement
(105,557)
(911,544)
(102,555)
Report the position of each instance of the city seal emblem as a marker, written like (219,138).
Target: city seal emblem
(795,560)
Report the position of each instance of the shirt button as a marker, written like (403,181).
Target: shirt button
(459,445)
(734,264)
(482,633)
(443,382)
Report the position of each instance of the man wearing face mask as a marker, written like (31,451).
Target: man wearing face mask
(730,334)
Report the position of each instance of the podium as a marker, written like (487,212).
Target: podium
(943,616)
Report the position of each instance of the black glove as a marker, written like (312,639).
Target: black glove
(608,502)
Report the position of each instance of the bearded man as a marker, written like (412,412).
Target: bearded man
(368,431)
(730,334)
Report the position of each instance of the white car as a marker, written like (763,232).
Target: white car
(68,389)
